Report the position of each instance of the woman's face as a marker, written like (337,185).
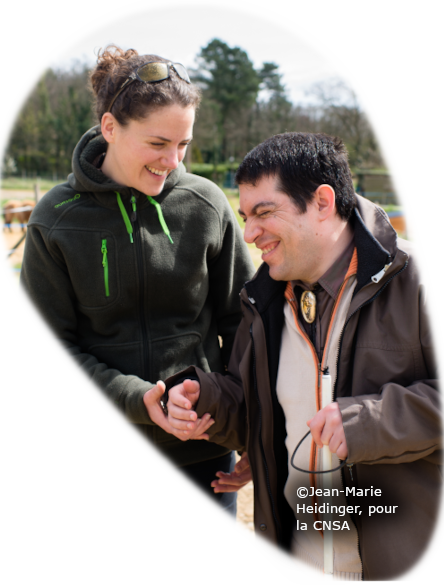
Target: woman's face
(143,153)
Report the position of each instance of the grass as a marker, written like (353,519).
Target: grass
(18,184)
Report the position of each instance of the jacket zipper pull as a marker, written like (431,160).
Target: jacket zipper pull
(105,266)
(134,213)
(350,465)
(377,277)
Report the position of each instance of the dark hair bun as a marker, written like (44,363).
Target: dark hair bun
(138,99)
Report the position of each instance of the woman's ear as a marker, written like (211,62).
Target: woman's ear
(108,126)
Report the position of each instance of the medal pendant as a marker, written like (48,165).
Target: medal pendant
(308,306)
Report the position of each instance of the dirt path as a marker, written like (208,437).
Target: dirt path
(9,240)
(245,506)
(245,510)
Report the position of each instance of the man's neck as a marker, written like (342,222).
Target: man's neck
(338,242)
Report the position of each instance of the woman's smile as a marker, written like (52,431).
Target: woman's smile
(142,153)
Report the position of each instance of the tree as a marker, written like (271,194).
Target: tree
(231,84)
(51,122)
(342,115)
(273,112)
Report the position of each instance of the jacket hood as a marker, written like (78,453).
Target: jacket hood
(87,178)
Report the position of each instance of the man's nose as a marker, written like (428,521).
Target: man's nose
(251,231)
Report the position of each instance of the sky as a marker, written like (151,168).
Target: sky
(178,29)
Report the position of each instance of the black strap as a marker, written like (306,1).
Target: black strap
(307,471)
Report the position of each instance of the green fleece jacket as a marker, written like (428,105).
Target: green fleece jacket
(134,312)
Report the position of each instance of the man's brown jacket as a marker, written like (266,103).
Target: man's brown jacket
(386,389)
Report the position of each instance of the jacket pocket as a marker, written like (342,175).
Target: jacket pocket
(92,262)
(104,251)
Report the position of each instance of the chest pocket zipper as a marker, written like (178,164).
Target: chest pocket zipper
(105,267)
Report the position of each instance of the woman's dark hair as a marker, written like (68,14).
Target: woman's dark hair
(301,162)
(114,65)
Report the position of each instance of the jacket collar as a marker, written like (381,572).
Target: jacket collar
(375,240)
(376,243)
(262,289)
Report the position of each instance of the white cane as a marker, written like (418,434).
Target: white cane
(327,484)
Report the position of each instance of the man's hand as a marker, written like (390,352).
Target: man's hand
(326,429)
(181,399)
(234,481)
(197,429)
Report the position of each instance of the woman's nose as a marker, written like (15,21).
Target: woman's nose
(171,158)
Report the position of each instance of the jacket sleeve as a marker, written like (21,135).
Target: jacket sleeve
(401,423)
(228,273)
(223,395)
(45,278)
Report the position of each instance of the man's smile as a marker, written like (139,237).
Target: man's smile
(269,248)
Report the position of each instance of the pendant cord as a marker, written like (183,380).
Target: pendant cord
(306,470)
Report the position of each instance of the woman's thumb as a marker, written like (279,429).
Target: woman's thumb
(161,386)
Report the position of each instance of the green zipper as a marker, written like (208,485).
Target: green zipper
(105,267)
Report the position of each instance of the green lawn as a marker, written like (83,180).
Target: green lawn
(17,184)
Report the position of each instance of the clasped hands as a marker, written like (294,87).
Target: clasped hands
(183,423)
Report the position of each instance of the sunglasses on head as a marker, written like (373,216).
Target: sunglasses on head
(150,73)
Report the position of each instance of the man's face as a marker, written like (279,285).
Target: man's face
(289,240)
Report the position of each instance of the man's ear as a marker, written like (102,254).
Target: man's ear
(324,199)
(108,126)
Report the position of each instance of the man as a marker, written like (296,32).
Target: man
(337,291)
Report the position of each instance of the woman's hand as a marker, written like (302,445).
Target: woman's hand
(183,431)
(234,481)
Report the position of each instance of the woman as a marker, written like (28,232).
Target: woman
(136,264)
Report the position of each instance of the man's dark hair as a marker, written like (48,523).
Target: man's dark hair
(301,162)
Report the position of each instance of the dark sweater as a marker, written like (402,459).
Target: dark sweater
(166,304)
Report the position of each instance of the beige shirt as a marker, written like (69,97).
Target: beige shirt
(299,395)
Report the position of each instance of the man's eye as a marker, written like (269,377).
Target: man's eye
(264,213)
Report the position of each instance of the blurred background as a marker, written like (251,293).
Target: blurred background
(261,74)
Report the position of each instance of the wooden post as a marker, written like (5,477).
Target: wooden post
(37,190)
